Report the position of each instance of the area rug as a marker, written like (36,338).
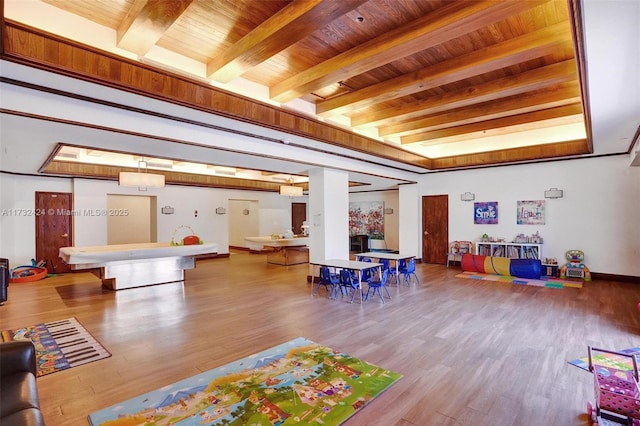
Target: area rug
(544,282)
(608,360)
(59,344)
(295,383)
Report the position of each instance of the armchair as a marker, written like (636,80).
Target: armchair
(19,403)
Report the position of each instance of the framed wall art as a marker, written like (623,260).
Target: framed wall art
(367,218)
(485,212)
(530,212)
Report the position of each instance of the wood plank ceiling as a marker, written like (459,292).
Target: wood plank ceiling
(418,73)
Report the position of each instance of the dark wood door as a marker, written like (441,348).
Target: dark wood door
(435,228)
(53,228)
(298,215)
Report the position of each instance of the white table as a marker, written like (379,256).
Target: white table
(136,265)
(352,265)
(396,257)
(278,242)
(285,251)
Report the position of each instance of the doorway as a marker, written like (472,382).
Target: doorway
(435,228)
(298,216)
(132,219)
(243,221)
(53,228)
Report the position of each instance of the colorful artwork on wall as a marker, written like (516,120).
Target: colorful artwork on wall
(367,218)
(485,212)
(530,212)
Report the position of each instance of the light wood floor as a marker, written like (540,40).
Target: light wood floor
(472,353)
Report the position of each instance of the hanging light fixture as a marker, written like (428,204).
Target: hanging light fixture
(142,179)
(291,190)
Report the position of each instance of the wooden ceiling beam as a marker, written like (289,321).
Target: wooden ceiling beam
(146,22)
(447,23)
(537,79)
(101,171)
(567,114)
(545,41)
(524,154)
(563,95)
(291,24)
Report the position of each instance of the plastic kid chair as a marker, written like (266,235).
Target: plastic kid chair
(409,272)
(378,284)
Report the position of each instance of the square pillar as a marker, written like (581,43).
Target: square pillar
(328,214)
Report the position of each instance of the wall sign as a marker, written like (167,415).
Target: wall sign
(530,212)
(485,212)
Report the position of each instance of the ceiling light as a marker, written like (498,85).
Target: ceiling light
(291,190)
(141,178)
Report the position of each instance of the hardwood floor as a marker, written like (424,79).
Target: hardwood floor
(471,352)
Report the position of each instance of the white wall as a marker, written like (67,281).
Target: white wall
(17,221)
(17,233)
(243,225)
(130,219)
(598,213)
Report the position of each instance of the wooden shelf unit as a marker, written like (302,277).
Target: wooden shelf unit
(511,250)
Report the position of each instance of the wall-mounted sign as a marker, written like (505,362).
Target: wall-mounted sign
(530,212)
(485,212)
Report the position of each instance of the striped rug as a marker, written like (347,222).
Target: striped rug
(59,344)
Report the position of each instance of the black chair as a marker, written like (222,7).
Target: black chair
(19,403)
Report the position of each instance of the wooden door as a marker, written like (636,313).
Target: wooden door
(298,215)
(435,228)
(53,228)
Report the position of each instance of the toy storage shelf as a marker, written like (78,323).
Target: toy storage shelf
(511,250)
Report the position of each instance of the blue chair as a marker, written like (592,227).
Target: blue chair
(329,280)
(349,284)
(378,284)
(386,266)
(402,267)
(408,272)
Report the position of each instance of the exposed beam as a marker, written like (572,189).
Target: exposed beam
(291,24)
(517,50)
(563,95)
(528,81)
(567,114)
(446,23)
(146,22)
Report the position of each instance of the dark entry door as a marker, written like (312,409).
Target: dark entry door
(298,215)
(435,228)
(53,228)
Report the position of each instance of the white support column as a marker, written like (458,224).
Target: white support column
(410,223)
(328,214)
